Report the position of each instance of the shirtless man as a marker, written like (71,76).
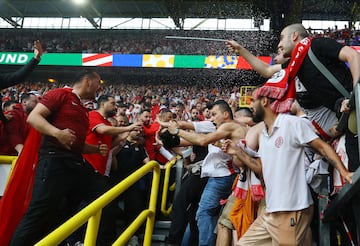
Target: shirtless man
(217,165)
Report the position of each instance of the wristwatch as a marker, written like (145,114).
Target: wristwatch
(176,131)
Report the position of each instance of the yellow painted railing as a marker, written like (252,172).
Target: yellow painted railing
(164,210)
(7,159)
(92,213)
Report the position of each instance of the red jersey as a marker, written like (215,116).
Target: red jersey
(151,149)
(14,131)
(67,111)
(97,161)
(155,110)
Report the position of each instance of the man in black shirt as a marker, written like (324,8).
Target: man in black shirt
(130,158)
(331,53)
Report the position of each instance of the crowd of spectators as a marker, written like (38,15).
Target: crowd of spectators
(152,41)
(344,36)
(132,41)
(134,94)
(179,98)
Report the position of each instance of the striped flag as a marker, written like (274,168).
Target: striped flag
(101,60)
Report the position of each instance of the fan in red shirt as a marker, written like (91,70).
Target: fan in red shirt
(15,130)
(155,151)
(60,170)
(101,131)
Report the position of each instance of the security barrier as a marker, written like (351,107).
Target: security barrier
(330,211)
(5,170)
(92,213)
(246,95)
(166,211)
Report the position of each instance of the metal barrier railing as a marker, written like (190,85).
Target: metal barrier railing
(166,211)
(10,160)
(331,210)
(177,184)
(92,213)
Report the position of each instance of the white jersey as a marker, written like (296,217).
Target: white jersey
(217,163)
(283,162)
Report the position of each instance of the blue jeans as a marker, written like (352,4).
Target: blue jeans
(186,239)
(209,207)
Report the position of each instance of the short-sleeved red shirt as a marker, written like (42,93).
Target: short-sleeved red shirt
(151,149)
(96,160)
(67,111)
(14,131)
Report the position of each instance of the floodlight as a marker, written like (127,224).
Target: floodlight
(79,2)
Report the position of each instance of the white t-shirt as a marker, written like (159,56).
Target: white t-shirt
(323,116)
(204,126)
(217,163)
(108,164)
(283,162)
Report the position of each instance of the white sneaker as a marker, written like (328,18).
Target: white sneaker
(134,241)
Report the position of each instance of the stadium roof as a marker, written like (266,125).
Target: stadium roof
(176,9)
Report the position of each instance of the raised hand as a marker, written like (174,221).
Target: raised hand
(173,127)
(136,126)
(233,46)
(230,147)
(38,50)
(103,149)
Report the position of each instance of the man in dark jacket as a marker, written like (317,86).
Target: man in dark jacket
(10,79)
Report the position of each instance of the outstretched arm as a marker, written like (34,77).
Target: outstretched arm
(258,65)
(10,79)
(328,152)
(115,130)
(198,138)
(351,56)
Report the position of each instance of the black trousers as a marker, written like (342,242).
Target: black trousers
(185,207)
(57,178)
(97,185)
(352,150)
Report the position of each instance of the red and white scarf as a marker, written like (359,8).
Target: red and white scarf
(241,188)
(281,86)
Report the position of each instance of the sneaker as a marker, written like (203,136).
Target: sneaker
(134,241)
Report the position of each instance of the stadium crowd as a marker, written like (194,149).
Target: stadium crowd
(121,127)
(152,41)
(122,41)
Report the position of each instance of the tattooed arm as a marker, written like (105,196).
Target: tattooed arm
(253,163)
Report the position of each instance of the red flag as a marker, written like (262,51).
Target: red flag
(18,191)
(243,64)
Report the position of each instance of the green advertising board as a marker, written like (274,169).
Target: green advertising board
(56,59)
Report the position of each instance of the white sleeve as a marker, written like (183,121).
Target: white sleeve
(204,126)
(166,153)
(304,132)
